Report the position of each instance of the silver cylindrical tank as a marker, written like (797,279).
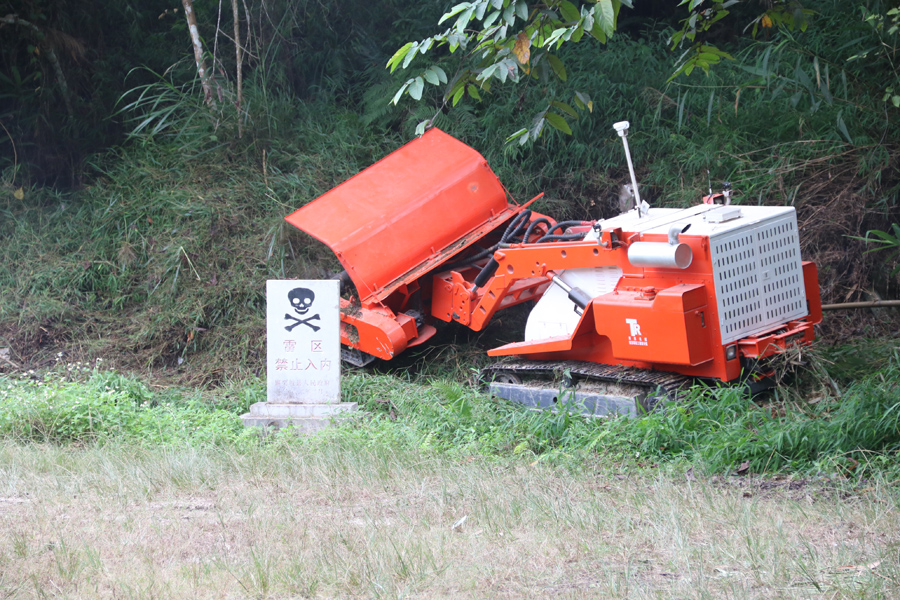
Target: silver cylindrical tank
(660,254)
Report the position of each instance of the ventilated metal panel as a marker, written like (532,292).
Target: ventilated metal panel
(758,276)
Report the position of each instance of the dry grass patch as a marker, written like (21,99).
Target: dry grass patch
(332,521)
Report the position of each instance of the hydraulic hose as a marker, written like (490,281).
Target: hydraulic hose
(514,226)
(564,237)
(491,267)
(562,225)
(534,224)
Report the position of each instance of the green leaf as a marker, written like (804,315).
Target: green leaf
(578,34)
(598,33)
(411,54)
(565,108)
(519,134)
(843,127)
(455,11)
(400,92)
(559,123)
(502,72)
(431,77)
(556,35)
(416,87)
(463,20)
(509,15)
(583,100)
(706,48)
(458,94)
(440,73)
(557,66)
(480,8)
(522,9)
(568,10)
(473,91)
(607,17)
(394,62)
(488,72)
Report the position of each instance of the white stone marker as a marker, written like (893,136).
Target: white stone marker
(303,358)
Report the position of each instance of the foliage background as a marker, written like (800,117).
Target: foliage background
(142,227)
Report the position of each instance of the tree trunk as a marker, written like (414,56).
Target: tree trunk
(238,57)
(205,77)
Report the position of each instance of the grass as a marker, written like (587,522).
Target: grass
(713,430)
(111,488)
(337,517)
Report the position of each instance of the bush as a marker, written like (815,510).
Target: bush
(63,408)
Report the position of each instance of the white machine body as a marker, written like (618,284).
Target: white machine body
(754,252)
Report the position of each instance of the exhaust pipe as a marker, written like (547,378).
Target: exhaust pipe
(660,254)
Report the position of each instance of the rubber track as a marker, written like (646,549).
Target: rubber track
(672,384)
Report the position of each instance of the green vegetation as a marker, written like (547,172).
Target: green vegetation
(147,240)
(716,431)
(81,405)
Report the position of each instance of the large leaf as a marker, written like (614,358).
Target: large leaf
(522,9)
(558,122)
(557,66)
(564,108)
(395,60)
(416,87)
(607,17)
(569,12)
(455,11)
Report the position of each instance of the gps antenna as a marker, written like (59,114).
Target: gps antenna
(622,128)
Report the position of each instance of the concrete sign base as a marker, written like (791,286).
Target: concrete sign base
(303,418)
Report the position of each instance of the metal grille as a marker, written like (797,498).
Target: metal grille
(758,277)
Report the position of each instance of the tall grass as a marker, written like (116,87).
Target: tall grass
(86,405)
(165,256)
(714,430)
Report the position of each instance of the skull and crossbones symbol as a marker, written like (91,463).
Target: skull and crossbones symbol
(301,300)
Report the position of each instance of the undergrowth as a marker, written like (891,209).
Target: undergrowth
(84,404)
(714,430)
(161,260)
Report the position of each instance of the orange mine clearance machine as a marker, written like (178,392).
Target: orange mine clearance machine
(428,234)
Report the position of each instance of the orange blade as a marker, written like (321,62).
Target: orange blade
(407,213)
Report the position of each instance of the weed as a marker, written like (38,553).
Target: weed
(96,406)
